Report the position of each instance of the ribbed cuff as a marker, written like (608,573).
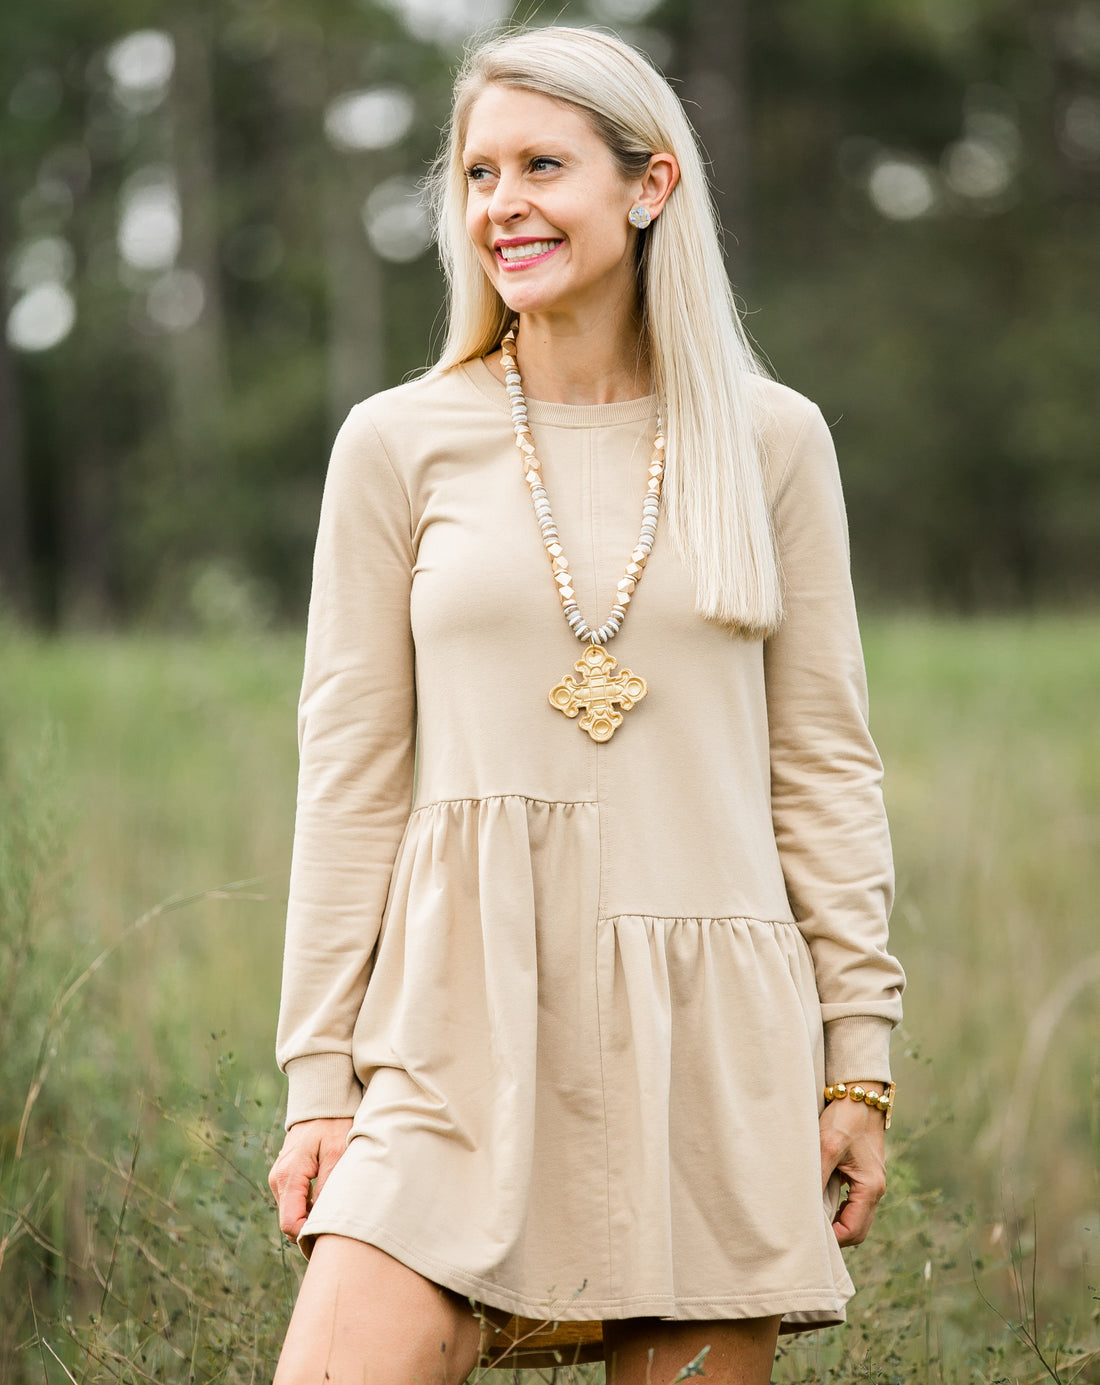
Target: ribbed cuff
(322,1086)
(857,1048)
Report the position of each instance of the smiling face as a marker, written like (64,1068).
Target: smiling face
(547,205)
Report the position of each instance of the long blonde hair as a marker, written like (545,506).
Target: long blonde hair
(703,365)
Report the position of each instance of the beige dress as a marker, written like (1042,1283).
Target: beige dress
(580,999)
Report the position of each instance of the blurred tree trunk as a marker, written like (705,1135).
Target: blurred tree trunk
(357,327)
(85,471)
(196,354)
(715,62)
(15,522)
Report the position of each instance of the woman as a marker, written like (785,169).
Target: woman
(562,992)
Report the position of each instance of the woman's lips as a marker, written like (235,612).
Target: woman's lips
(522,256)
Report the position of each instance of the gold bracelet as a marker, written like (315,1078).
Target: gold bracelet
(884,1103)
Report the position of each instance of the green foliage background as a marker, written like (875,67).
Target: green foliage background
(169,475)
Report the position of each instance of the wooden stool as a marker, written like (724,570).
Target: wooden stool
(531,1342)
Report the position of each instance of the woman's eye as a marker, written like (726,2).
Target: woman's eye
(476,174)
(542,164)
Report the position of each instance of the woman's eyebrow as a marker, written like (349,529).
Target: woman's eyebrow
(559,148)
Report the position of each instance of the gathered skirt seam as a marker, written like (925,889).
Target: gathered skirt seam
(695,918)
(501,797)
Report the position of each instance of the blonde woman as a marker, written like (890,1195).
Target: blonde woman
(591,873)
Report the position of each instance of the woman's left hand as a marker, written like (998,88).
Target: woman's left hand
(853,1144)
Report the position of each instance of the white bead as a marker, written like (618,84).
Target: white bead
(544,515)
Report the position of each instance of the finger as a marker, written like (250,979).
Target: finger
(854,1217)
(294,1201)
(853,1221)
(328,1161)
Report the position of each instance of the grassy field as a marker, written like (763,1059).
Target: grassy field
(138,1099)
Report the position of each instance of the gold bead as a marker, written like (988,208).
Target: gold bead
(857,1093)
(840,1089)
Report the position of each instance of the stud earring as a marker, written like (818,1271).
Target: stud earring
(639,216)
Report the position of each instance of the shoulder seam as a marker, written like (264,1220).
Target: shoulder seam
(389,463)
(811,409)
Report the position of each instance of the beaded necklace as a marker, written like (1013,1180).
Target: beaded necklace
(599,691)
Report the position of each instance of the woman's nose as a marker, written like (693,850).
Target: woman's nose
(507,202)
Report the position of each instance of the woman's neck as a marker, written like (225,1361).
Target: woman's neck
(571,363)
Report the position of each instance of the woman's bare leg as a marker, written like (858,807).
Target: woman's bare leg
(647,1351)
(363,1318)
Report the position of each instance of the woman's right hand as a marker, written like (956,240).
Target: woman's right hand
(308,1156)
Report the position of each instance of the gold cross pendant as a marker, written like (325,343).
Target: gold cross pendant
(597,690)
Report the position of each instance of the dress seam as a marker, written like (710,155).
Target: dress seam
(599,1038)
(785,473)
(402,487)
(498,797)
(699,918)
(378,1235)
(430,1265)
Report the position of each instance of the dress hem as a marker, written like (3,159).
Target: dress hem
(803,1310)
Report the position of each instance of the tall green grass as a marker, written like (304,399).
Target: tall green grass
(138,1102)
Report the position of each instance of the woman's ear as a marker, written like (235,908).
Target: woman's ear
(657,182)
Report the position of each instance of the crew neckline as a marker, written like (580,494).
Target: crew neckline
(561,415)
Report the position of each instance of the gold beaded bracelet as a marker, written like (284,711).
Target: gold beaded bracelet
(884,1103)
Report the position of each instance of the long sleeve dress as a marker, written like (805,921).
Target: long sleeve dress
(580,999)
